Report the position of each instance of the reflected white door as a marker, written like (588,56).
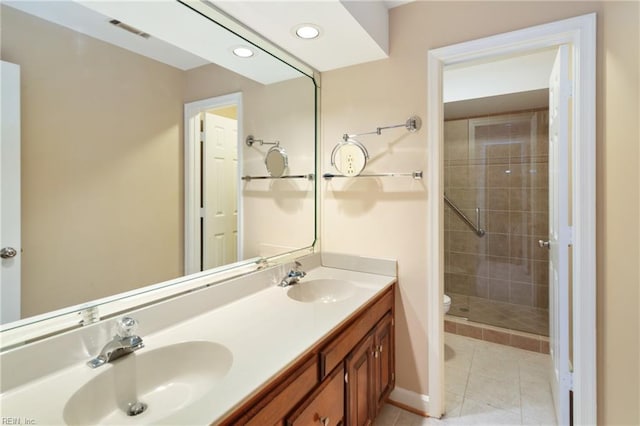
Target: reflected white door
(559,231)
(10,193)
(220,193)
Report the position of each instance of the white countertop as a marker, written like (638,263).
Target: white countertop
(265,331)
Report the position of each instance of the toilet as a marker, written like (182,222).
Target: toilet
(446,303)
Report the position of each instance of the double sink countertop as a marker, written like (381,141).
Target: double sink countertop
(247,341)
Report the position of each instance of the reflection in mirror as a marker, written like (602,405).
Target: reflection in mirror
(276,161)
(112,196)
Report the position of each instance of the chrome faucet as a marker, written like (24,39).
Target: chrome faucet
(293,277)
(123,343)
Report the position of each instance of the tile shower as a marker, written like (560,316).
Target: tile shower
(498,164)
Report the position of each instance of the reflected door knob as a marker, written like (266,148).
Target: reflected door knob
(8,252)
(544,244)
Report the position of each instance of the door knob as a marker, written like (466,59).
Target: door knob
(8,252)
(544,244)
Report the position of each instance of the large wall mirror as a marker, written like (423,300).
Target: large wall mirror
(136,166)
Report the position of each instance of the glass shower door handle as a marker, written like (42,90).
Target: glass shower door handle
(544,244)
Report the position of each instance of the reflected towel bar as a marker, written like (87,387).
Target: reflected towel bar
(310,176)
(476,228)
(251,140)
(416,175)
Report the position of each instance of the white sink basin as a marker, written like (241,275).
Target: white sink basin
(166,379)
(321,291)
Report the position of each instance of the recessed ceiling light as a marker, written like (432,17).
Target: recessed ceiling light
(307,31)
(243,52)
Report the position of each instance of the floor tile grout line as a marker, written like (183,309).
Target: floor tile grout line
(520,391)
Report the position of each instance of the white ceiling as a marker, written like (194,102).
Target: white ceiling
(510,74)
(352,32)
(179,36)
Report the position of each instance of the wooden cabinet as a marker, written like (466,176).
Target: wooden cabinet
(384,365)
(316,391)
(370,373)
(360,383)
(325,406)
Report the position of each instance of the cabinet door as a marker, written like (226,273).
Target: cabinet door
(384,360)
(360,383)
(325,406)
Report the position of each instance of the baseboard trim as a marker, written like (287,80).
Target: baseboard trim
(410,401)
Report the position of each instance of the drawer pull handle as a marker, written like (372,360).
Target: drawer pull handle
(380,348)
(324,421)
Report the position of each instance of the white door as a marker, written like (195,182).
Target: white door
(220,193)
(559,231)
(10,193)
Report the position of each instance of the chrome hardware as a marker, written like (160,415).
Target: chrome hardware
(123,343)
(136,408)
(380,348)
(413,124)
(476,228)
(544,244)
(8,252)
(325,421)
(417,175)
(251,140)
(293,277)
(309,176)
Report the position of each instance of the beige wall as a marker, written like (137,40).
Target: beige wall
(386,217)
(101,165)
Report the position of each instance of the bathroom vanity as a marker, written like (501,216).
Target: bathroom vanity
(244,351)
(343,379)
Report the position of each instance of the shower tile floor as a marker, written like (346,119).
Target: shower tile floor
(487,384)
(500,314)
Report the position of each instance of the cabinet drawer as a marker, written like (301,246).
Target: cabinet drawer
(325,407)
(286,395)
(336,351)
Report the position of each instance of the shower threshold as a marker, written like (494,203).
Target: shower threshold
(503,336)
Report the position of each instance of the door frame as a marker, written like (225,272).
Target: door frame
(192,171)
(580,34)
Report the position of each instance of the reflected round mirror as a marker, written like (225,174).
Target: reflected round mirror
(349,157)
(276,161)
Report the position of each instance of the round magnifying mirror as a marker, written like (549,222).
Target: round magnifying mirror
(276,161)
(349,157)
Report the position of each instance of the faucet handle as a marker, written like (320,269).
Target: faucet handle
(126,326)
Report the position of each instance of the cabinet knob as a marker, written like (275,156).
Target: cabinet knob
(325,421)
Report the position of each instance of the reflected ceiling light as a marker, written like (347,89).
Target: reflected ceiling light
(307,31)
(243,52)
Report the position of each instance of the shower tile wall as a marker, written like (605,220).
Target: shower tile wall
(500,164)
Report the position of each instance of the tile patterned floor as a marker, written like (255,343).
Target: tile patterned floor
(487,384)
(500,314)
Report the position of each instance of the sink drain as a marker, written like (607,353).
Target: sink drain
(136,408)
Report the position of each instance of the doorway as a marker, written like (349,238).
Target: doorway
(212,204)
(579,34)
